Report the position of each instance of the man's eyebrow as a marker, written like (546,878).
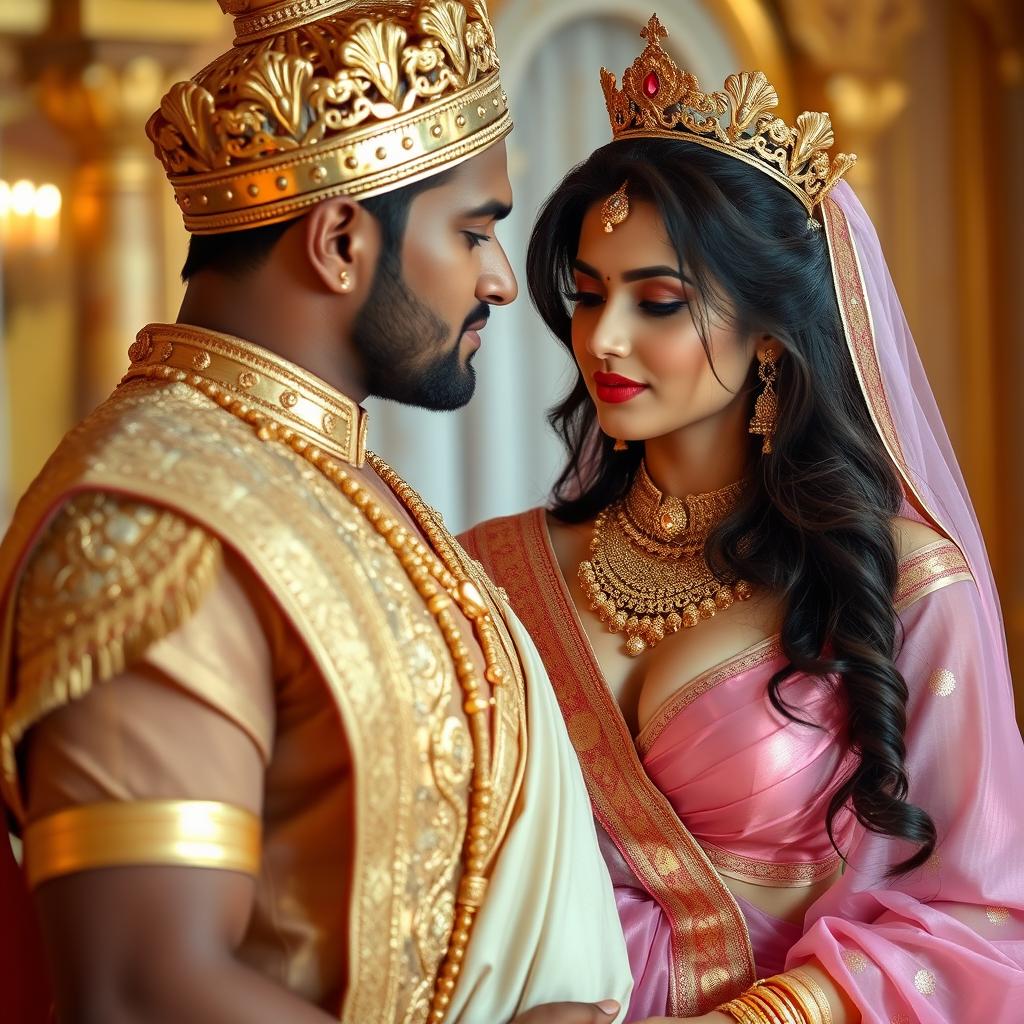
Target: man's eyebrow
(493,209)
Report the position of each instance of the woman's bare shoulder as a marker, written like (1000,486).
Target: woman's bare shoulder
(911,536)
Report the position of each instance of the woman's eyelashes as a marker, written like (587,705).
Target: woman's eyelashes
(474,239)
(590,300)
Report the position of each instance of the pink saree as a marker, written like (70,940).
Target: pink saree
(718,785)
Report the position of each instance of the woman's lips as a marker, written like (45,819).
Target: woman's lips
(614,388)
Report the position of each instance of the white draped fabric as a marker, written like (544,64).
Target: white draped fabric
(498,455)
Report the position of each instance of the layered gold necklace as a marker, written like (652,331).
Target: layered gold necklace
(647,575)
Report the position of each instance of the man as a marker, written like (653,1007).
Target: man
(278,750)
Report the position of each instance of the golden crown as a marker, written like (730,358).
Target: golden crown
(660,100)
(323,97)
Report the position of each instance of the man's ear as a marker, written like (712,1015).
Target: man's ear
(342,242)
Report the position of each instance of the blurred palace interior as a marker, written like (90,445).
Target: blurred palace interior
(928,93)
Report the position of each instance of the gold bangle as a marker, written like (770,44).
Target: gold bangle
(814,991)
(741,1012)
(196,833)
(800,1010)
(755,996)
(782,1007)
(798,996)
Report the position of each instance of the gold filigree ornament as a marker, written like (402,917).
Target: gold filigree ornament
(647,576)
(320,98)
(660,100)
(615,209)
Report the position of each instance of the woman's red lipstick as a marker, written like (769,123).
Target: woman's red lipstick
(614,388)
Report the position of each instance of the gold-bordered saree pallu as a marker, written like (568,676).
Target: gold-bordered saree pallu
(362,623)
(712,959)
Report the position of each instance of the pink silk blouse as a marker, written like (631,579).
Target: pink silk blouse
(719,784)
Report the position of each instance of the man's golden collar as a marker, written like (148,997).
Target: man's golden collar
(279,389)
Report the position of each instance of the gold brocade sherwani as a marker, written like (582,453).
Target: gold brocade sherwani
(168,553)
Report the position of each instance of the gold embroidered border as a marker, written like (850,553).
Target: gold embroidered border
(712,959)
(779,874)
(928,569)
(192,833)
(859,329)
(762,652)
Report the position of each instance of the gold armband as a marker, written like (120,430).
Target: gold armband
(192,833)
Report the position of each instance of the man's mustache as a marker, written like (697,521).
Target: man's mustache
(478,318)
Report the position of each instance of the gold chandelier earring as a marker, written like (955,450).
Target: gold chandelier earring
(620,445)
(766,406)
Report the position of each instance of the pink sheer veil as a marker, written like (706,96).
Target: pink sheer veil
(900,398)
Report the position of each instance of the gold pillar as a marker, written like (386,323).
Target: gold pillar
(114,208)
(853,49)
(106,65)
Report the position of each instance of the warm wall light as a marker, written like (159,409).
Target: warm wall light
(29,217)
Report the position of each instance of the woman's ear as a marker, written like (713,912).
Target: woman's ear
(342,242)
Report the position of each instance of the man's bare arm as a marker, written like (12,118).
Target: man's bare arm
(157,945)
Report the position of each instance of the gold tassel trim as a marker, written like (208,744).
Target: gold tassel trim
(77,627)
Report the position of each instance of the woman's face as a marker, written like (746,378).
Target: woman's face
(635,340)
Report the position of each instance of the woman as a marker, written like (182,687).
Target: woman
(761,592)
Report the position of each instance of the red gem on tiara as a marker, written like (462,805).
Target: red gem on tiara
(652,84)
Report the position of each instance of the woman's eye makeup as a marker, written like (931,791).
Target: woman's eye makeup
(585,298)
(652,308)
(475,239)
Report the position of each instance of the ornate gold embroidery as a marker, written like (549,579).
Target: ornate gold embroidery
(708,929)
(924,982)
(860,338)
(109,577)
(354,608)
(782,874)
(929,569)
(942,683)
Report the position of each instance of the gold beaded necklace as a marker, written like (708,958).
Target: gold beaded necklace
(440,583)
(647,576)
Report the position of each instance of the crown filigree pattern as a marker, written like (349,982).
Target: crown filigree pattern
(659,99)
(359,101)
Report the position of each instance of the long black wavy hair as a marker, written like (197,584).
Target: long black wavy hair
(814,523)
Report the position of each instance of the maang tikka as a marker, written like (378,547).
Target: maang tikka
(766,405)
(615,209)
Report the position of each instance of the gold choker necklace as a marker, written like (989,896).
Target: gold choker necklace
(647,575)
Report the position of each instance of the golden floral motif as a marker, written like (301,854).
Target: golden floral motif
(856,962)
(446,20)
(375,49)
(751,96)
(924,982)
(942,683)
(278,82)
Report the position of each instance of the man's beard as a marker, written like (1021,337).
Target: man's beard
(397,337)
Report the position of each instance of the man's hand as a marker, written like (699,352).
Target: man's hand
(570,1013)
